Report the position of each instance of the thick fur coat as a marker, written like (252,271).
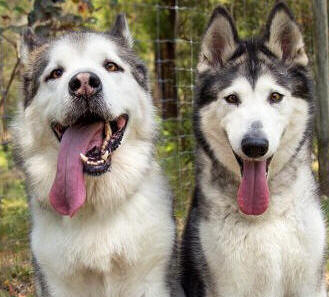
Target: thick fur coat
(121,242)
(258,89)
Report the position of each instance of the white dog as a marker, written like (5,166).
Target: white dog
(102,217)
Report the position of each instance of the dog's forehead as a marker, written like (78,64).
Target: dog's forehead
(82,46)
(267,81)
(240,84)
(259,75)
(263,82)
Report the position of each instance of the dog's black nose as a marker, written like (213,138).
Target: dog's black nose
(254,147)
(85,84)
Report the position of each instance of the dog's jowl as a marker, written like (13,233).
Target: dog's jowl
(102,223)
(255,227)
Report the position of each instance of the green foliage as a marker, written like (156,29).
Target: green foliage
(176,158)
(4,4)
(15,267)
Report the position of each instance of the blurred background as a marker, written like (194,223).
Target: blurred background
(167,34)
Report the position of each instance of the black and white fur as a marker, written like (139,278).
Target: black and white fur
(280,253)
(121,242)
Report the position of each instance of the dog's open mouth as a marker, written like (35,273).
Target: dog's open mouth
(85,147)
(253,192)
(240,162)
(96,158)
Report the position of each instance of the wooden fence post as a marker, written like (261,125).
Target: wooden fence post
(322,90)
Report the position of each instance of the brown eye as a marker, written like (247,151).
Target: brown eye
(111,67)
(232,99)
(56,73)
(275,97)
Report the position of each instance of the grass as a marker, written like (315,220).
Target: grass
(15,267)
(16,275)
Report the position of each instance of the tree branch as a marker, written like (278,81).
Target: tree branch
(13,72)
(11,79)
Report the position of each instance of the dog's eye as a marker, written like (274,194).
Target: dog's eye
(275,97)
(56,73)
(232,99)
(111,67)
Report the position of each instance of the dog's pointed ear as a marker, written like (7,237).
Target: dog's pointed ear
(220,40)
(120,30)
(29,42)
(283,36)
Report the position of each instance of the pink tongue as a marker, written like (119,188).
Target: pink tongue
(68,192)
(253,193)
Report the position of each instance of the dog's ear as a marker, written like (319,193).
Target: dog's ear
(220,40)
(120,30)
(29,42)
(283,36)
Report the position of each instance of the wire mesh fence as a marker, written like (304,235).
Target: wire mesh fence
(167,34)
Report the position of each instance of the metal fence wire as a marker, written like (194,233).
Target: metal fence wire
(167,34)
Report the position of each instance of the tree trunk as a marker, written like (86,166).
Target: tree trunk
(322,91)
(2,92)
(165,60)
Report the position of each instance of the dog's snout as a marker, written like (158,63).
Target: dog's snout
(85,84)
(254,147)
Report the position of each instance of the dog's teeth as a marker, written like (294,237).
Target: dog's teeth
(94,163)
(105,155)
(83,158)
(108,132)
(104,145)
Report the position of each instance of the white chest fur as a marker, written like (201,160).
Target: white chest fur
(117,249)
(277,255)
